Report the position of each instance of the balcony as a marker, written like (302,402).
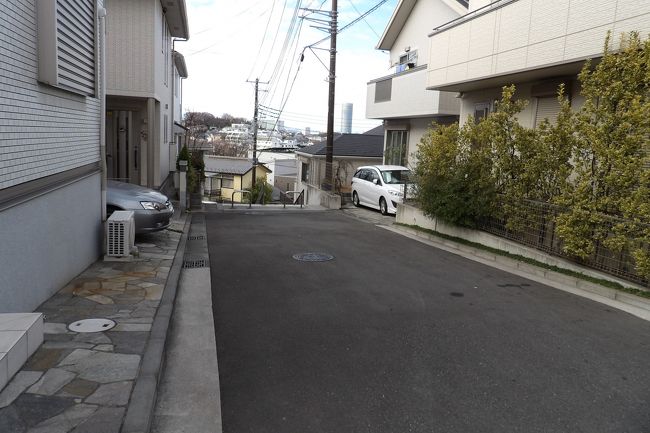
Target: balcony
(404,95)
(521,40)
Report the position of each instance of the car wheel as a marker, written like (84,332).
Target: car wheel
(383,207)
(355,199)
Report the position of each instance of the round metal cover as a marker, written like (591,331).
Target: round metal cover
(313,257)
(91,325)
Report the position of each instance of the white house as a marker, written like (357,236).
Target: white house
(534,44)
(401,98)
(143,91)
(51,122)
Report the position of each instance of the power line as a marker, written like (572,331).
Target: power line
(262,41)
(364,20)
(353,22)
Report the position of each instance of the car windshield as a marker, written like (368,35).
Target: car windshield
(396,176)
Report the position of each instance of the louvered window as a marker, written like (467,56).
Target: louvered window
(383,90)
(67,45)
(547,108)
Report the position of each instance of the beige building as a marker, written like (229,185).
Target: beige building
(534,44)
(226,174)
(143,88)
(350,151)
(401,98)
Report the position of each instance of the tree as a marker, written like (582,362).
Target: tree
(453,174)
(609,187)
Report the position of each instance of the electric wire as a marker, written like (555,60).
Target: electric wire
(266,28)
(364,20)
(275,37)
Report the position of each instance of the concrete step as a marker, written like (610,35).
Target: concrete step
(20,335)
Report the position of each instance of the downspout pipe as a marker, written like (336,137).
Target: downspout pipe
(101,13)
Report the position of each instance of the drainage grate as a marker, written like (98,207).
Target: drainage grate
(195,263)
(196,238)
(313,257)
(91,325)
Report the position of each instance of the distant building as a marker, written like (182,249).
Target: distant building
(307,131)
(346,118)
(349,152)
(225,174)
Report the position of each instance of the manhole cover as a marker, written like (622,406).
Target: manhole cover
(91,325)
(196,238)
(313,257)
(195,263)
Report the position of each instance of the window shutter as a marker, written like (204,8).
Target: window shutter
(67,45)
(76,45)
(383,90)
(547,108)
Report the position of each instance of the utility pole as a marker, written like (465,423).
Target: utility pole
(255,122)
(257,84)
(329,149)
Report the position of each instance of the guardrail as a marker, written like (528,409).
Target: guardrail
(301,195)
(241,191)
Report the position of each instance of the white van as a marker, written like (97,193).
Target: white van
(380,186)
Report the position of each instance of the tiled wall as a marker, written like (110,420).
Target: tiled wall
(529,34)
(43,130)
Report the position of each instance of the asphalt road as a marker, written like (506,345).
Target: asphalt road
(396,336)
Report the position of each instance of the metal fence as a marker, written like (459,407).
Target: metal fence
(539,232)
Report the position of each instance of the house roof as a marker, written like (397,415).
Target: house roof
(179,62)
(229,165)
(176,15)
(401,14)
(359,145)
(377,130)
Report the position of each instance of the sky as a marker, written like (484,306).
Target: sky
(232,42)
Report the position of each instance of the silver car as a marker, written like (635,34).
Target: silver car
(152,210)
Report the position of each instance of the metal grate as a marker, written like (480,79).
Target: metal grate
(196,238)
(195,263)
(313,257)
(538,231)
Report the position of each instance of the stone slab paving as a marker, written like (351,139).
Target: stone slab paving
(82,382)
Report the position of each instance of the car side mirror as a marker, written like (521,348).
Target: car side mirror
(375,181)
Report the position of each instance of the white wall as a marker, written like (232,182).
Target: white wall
(46,242)
(530,34)
(426,15)
(131,34)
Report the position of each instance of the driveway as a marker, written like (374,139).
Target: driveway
(396,336)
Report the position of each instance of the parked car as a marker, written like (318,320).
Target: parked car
(380,186)
(152,210)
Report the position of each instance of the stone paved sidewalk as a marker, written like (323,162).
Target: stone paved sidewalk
(82,382)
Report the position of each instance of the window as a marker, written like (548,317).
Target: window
(407,61)
(371,176)
(481,111)
(304,172)
(396,146)
(548,107)
(66,45)
(383,90)
(227,181)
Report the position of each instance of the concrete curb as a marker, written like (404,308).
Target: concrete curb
(140,411)
(635,305)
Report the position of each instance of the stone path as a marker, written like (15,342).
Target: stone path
(81,382)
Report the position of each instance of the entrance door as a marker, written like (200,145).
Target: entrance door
(121,148)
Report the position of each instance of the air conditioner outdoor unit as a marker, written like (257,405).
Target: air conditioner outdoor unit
(120,235)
